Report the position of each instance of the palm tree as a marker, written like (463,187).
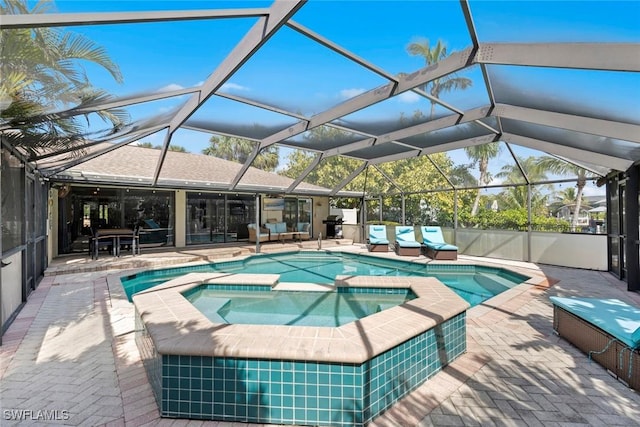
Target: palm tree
(41,76)
(561,167)
(431,56)
(531,166)
(481,154)
(516,197)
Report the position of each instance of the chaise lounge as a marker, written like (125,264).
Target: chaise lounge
(434,245)
(406,243)
(377,241)
(607,330)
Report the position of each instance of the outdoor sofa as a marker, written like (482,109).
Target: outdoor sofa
(278,231)
(607,330)
(254,234)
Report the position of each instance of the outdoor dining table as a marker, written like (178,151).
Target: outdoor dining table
(115,235)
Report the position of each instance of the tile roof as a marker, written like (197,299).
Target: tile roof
(131,163)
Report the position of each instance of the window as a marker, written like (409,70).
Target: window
(218,218)
(87,208)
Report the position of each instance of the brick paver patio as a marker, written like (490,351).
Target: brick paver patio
(70,355)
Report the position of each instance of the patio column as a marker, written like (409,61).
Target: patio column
(257,223)
(363,220)
(631,229)
(529,229)
(403,216)
(455,216)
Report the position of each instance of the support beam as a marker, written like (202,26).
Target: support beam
(99,153)
(343,149)
(388,178)
(453,63)
(606,160)
(430,126)
(594,56)
(340,50)
(463,143)
(606,128)
(304,173)
(106,104)
(255,38)
(348,179)
(94,18)
(292,130)
(394,157)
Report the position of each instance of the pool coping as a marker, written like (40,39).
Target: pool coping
(177,327)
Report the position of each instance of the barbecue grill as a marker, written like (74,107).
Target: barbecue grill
(334,226)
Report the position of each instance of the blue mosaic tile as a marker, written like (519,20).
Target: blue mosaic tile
(297,392)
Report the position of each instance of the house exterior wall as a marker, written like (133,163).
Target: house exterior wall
(181,218)
(52,225)
(11,283)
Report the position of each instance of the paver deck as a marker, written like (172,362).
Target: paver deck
(70,355)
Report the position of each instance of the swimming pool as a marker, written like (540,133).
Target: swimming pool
(473,283)
(207,368)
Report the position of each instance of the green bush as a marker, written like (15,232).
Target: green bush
(512,219)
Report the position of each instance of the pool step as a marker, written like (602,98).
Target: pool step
(312,287)
(494,283)
(214,305)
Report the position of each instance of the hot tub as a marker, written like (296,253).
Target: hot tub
(305,375)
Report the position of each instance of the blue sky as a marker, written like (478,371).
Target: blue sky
(295,73)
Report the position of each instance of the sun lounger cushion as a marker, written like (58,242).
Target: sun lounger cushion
(613,316)
(432,237)
(277,227)
(303,227)
(405,237)
(378,235)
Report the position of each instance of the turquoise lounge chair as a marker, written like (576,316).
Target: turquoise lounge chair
(434,246)
(377,241)
(406,243)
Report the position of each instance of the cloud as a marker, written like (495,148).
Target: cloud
(350,93)
(233,87)
(170,87)
(409,97)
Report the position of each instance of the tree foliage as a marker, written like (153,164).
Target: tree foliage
(240,149)
(172,147)
(514,219)
(43,79)
(561,167)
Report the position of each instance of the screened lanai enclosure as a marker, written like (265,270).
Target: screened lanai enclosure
(518,117)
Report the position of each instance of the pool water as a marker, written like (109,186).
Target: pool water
(299,308)
(473,283)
